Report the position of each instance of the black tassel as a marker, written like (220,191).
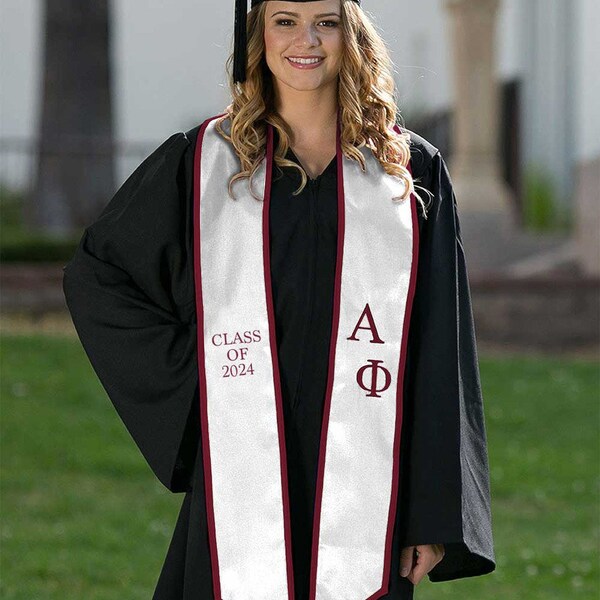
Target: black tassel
(240,41)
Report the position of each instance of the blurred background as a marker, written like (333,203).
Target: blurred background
(508,90)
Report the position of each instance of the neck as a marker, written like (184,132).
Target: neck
(311,115)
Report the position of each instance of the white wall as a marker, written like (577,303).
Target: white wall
(417,38)
(170,74)
(169,61)
(548,34)
(169,64)
(588,82)
(508,46)
(19,56)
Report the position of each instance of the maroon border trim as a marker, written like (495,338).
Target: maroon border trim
(214,558)
(399,389)
(332,349)
(400,396)
(202,372)
(275,359)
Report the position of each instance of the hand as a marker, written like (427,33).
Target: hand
(427,556)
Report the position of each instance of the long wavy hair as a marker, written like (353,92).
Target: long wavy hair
(367,100)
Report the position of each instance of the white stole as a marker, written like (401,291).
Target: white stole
(241,413)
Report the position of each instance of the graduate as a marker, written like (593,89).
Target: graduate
(277,304)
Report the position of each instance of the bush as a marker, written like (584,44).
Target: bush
(541,210)
(19,245)
(37,249)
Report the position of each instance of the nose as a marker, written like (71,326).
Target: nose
(307,36)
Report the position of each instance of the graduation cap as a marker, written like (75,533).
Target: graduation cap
(240,37)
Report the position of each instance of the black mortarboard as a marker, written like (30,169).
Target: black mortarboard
(240,37)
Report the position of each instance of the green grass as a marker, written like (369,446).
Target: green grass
(84,517)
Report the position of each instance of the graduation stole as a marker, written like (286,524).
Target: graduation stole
(241,409)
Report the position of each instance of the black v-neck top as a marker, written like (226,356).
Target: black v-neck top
(303,246)
(130,291)
(329,169)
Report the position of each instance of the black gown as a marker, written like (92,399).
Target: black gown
(130,291)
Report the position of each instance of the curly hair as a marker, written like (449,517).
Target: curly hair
(367,100)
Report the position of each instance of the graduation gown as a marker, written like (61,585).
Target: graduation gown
(130,291)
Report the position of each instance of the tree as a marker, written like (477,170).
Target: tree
(75,170)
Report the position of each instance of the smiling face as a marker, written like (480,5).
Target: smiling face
(303,42)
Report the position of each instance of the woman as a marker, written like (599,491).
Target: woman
(325,421)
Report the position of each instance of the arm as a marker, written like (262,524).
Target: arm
(446,496)
(130,294)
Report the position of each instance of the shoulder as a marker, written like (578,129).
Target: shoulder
(166,171)
(193,133)
(431,174)
(167,154)
(169,166)
(177,148)
(159,165)
(156,194)
(422,153)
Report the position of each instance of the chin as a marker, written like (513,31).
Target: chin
(304,84)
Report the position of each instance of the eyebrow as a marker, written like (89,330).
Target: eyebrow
(292,14)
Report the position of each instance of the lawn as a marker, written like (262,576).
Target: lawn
(84,517)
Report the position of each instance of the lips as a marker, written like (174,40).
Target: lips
(305,65)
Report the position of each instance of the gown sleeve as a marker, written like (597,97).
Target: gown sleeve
(129,290)
(446,489)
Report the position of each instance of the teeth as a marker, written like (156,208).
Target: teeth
(305,61)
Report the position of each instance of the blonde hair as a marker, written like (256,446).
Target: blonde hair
(366,98)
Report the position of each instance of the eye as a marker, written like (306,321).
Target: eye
(330,24)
